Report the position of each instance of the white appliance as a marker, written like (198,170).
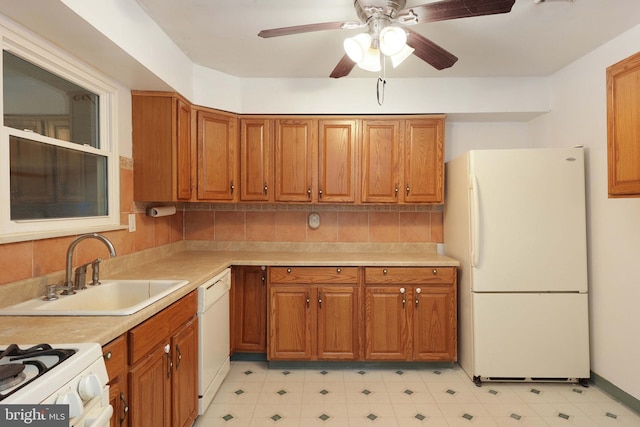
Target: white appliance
(515,219)
(56,374)
(213,336)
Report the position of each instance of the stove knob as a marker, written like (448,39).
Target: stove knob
(89,387)
(73,400)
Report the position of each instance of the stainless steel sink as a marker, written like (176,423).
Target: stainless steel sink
(111,298)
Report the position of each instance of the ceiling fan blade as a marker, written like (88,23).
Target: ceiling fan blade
(343,68)
(308,28)
(430,52)
(454,9)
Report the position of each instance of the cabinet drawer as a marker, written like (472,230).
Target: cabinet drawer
(314,275)
(408,275)
(154,331)
(115,356)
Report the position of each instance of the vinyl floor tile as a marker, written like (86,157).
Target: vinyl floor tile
(253,395)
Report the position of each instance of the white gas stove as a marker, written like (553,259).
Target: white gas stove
(55,374)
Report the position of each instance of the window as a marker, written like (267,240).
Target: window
(58,161)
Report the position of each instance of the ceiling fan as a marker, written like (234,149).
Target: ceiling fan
(386,22)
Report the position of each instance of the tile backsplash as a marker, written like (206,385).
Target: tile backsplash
(227,222)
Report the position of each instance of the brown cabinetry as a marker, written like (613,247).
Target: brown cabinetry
(313,313)
(163,147)
(115,358)
(295,141)
(623,127)
(403,160)
(163,367)
(337,160)
(217,137)
(410,313)
(249,310)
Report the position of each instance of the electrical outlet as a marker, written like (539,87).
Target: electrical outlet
(132,223)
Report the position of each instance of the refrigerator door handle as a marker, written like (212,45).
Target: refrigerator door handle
(475,221)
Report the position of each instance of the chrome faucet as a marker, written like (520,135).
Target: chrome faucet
(68,285)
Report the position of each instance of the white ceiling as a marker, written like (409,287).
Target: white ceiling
(532,40)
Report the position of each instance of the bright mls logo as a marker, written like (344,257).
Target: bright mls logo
(34,415)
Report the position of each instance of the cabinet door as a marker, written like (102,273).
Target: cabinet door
(294,140)
(150,391)
(185,374)
(623,127)
(256,152)
(424,161)
(337,331)
(380,161)
(386,320)
(217,137)
(184,151)
(250,309)
(434,320)
(337,142)
(290,322)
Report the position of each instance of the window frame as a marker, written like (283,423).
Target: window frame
(54,60)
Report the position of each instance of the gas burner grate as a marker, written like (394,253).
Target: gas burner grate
(32,356)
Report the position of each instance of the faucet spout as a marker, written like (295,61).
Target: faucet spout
(112,252)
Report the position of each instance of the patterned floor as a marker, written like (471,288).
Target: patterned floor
(254,396)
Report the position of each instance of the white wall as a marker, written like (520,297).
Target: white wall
(578,116)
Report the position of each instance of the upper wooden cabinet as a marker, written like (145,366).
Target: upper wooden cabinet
(337,160)
(403,160)
(294,145)
(162,147)
(256,160)
(424,160)
(381,161)
(623,127)
(217,165)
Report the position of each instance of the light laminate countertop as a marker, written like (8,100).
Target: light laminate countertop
(196,266)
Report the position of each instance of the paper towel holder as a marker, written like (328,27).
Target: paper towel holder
(157,211)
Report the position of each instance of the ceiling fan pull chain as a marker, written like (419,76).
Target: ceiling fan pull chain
(380,90)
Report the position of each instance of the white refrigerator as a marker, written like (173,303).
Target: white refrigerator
(516,221)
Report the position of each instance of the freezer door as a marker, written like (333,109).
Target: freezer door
(528,226)
(531,335)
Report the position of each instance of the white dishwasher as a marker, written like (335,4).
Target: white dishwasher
(213,337)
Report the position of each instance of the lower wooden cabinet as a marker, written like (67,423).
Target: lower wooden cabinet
(249,309)
(313,313)
(410,314)
(163,367)
(115,359)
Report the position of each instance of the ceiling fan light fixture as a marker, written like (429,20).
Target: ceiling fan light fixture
(399,57)
(356,47)
(392,40)
(371,61)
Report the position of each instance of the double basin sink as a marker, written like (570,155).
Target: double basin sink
(111,298)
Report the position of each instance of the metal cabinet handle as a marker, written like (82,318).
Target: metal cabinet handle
(233,187)
(320,299)
(384,271)
(266,189)
(404,299)
(418,290)
(435,271)
(179,356)
(288,271)
(308,300)
(125,409)
(107,356)
(320,193)
(167,349)
(309,192)
(338,270)
(396,190)
(408,189)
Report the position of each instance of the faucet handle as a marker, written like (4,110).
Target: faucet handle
(95,276)
(80,278)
